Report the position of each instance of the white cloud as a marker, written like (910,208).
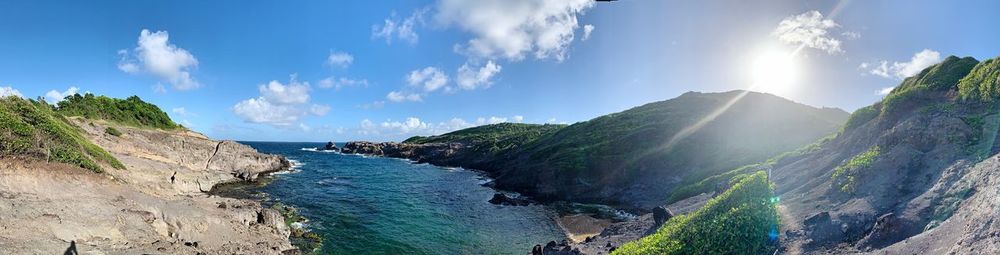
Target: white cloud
(513,28)
(338,83)
(187,123)
(404,29)
(155,55)
(159,88)
(471,79)
(429,78)
(341,59)
(851,35)
(884,91)
(809,29)
(182,111)
(294,92)
(54,96)
(280,105)
(518,119)
(10,91)
(259,110)
(901,70)
(304,127)
(373,105)
(398,96)
(319,110)
(587,29)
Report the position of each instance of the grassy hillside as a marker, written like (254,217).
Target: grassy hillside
(628,157)
(742,220)
(492,139)
(34,129)
(130,111)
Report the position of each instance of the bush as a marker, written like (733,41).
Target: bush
(31,128)
(846,177)
(982,83)
(112,131)
(861,116)
(130,111)
(742,220)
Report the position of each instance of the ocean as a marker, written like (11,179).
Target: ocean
(375,205)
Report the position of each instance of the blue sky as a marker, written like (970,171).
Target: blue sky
(380,70)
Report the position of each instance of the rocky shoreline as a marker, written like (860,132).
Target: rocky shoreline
(587,233)
(158,204)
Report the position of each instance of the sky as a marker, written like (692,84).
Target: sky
(388,70)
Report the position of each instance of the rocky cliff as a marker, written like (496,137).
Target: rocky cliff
(155,204)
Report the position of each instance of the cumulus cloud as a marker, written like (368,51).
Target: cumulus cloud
(342,82)
(54,96)
(512,29)
(429,78)
(294,92)
(901,70)
(259,110)
(399,96)
(341,59)
(403,29)
(809,29)
(587,29)
(470,78)
(10,91)
(279,104)
(155,55)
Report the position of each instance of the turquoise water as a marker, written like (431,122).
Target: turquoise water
(372,205)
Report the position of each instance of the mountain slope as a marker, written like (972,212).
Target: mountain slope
(900,169)
(629,158)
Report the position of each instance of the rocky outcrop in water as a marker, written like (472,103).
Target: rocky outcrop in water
(444,154)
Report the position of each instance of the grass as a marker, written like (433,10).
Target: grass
(112,131)
(131,111)
(944,76)
(846,176)
(742,220)
(982,83)
(861,116)
(33,128)
(708,184)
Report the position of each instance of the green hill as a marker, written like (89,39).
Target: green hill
(629,158)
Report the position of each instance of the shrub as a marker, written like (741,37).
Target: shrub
(861,116)
(32,128)
(845,176)
(112,131)
(982,83)
(742,220)
(130,111)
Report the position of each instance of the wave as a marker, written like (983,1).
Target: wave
(318,150)
(296,166)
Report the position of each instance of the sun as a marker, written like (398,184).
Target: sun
(774,72)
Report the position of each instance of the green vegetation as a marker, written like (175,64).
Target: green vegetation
(982,83)
(846,177)
(492,139)
(709,184)
(33,128)
(112,131)
(862,116)
(742,220)
(937,78)
(131,111)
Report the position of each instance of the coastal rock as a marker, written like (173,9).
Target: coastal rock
(330,146)
(157,203)
(661,215)
(503,199)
